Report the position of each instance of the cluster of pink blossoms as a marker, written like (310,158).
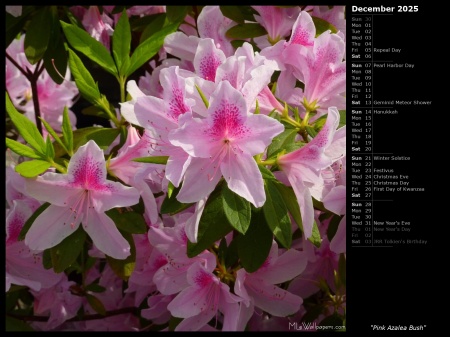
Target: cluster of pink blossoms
(209,111)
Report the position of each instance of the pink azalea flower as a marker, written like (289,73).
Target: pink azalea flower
(160,116)
(260,287)
(52,97)
(157,308)
(250,73)
(18,86)
(205,296)
(334,15)
(148,260)
(23,266)
(338,244)
(80,196)
(210,24)
(130,172)
(99,26)
(276,20)
(302,38)
(112,299)
(207,59)
(15,189)
(321,69)
(321,265)
(56,302)
(171,242)
(303,167)
(226,140)
(149,84)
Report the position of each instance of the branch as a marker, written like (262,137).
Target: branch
(128,310)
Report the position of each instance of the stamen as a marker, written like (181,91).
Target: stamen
(54,67)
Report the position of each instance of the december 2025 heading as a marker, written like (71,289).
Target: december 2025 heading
(385,9)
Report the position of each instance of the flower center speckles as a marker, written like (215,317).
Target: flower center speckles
(208,67)
(203,279)
(177,106)
(228,123)
(88,174)
(14,228)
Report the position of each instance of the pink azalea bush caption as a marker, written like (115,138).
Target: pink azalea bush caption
(213,198)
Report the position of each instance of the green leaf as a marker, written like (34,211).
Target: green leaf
(15,25)
(50,151)
(83,79)
(245,31)
(202,95)
(66,252)
(32,168)
(290,200)
(38,34)
(153,160)
(67,131)
(56,55)
(315,238)
(333,227)
(153,26)
(237,43)
(222,251)
(138,24)
(12,296)
(239,14)
(95,288)
(47,259)
(281,141)
(21,149)
(294,146)
(171,205)
(173,322)
(130,222)
(96,304)
(342,120)
(27,129)
(80,40)
(72,18)
(124,268)
(213,224)
(232,255)
(254,246)
(147,49)
(15,324)
(121,41)
(236,209)
(320,122)
(266,173)
(176,13)
(322,26)
(170,189)
(30,221)
(95,111)
(311,131)
(102,136)
(54,135)
(276,214)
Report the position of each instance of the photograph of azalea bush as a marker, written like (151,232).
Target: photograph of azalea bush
(208,191)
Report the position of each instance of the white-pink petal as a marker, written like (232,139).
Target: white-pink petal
(51,227)
(105,235)
(244,178)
